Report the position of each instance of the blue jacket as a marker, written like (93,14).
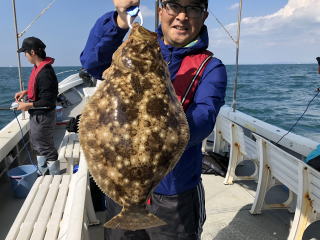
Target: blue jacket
(105,37)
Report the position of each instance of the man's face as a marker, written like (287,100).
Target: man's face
(179,29)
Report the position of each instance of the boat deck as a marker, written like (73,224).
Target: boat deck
(227,209)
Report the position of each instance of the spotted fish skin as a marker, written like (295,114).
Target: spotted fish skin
(133,130)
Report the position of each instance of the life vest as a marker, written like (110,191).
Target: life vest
(187,79)
(32,95)
(189,75)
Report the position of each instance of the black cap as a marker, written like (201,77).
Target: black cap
(318,59)
(31,43)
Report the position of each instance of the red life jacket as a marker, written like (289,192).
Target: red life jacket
(187,79)
(32,95)
(189,75)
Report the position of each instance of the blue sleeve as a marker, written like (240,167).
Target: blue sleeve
(104,39)
(208,99)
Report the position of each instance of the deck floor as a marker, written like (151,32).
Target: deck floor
(228,216)
(227,208)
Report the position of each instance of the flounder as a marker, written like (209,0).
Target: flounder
(133,130)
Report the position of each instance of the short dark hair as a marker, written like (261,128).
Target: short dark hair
(41,53)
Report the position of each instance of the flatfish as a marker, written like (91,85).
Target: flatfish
(133,130)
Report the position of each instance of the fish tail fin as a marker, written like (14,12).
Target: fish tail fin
(134,218)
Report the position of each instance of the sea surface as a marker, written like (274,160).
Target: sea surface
(277,94)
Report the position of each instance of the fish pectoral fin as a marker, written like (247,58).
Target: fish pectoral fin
(134,219)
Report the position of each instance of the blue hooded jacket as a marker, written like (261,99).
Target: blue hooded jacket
(104,39)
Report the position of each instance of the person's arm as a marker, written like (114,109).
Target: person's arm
(209,97)
(47,89)
(104,39)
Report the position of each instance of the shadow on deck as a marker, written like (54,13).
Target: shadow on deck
(228,216)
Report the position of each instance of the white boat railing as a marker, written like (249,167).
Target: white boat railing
(291,141)
(70,82)
(278,163)
(302,181)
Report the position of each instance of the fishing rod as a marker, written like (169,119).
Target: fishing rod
(15,105)
(235,82)
(156,19)
(18,46)
(9,108)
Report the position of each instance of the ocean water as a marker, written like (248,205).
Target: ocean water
(277,94)
(9,85)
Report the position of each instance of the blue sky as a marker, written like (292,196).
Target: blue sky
(273,31)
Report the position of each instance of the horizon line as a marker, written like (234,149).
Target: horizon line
(279,63)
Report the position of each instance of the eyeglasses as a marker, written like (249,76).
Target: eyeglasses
(174,9)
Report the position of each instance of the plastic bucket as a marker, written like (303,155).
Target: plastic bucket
(22,179)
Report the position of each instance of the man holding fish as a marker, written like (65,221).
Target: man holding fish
(199,80)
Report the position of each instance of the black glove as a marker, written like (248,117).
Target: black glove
(73,125)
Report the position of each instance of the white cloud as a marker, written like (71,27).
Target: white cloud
(289,35)
(234,6)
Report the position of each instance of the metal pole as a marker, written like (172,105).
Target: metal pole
(17,42)
(235,85)
(18,55)
(156,24)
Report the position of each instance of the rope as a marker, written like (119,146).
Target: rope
(300,116)
(36,18)
(237,43)
(224,28)
(23,140)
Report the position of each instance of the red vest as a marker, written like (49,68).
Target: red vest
(33,78)
(187,79)
(189,75)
